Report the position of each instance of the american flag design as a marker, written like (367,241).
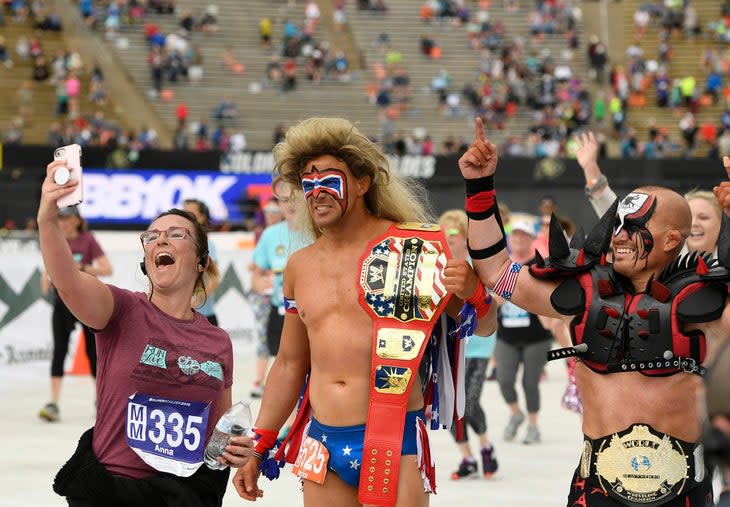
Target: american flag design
(290,306)
(416,288)
(507,281)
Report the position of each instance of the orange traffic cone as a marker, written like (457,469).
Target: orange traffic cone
(80,365)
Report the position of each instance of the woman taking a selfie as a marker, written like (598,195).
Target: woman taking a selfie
(164,373)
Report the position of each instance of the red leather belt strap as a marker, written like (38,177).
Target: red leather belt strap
(401,287)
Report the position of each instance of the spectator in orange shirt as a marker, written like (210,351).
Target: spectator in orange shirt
(426,13)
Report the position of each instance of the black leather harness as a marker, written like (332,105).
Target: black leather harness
(616,329)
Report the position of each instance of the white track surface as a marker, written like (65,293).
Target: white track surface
(529,476)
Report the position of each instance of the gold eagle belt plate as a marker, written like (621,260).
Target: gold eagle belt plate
(640,465)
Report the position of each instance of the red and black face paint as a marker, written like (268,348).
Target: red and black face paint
(633,213)
(330,181)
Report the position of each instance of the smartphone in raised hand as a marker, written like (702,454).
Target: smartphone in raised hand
(72,155)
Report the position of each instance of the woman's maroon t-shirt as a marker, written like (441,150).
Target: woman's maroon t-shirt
(138,352)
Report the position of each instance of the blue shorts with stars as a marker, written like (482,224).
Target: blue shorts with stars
(344,444)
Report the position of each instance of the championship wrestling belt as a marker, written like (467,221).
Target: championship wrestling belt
(402,288)
(640,466)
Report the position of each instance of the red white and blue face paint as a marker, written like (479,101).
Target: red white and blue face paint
(632,216)
(329,181)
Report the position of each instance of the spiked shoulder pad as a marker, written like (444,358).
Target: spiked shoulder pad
(693,265)
(582,252)
(574,262)
(698,306)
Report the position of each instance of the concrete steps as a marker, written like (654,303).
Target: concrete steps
(260,112)
(44,93)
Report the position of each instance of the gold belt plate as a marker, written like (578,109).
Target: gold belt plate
(392,379)
(402,278)
(403,344)
(640,466)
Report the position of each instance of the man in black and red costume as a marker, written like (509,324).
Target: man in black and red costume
(643,326)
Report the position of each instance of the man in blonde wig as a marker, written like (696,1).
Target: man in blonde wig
(361,302)
(388,196)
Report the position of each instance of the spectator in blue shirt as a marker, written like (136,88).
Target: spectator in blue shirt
(276,244)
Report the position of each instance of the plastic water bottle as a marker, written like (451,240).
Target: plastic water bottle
(236,421)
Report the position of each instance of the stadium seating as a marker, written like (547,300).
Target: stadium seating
(686,60)
(262,106)
(44,94)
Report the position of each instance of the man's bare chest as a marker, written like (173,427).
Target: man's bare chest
(329,288)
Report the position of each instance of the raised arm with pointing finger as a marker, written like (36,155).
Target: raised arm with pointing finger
(487,245)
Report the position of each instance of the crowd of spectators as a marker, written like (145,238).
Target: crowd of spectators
(301,53)
(514,72)
(654,79)
(77,85)
(297,54)
(38,13)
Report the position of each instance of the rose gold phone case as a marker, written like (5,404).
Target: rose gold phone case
(72,155)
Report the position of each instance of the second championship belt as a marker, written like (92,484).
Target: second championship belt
(402,288)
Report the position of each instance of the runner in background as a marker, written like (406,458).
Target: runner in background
(277,242)
(478,352)
(204,300)
(259,297)
(89,258)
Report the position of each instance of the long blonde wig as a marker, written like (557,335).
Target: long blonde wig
(390,196)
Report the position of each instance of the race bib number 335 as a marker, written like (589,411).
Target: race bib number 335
(169,435)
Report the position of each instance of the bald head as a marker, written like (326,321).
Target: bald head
(672,210)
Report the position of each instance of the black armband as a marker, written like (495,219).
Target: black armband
(490,251)
(476,185)
(481,203)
